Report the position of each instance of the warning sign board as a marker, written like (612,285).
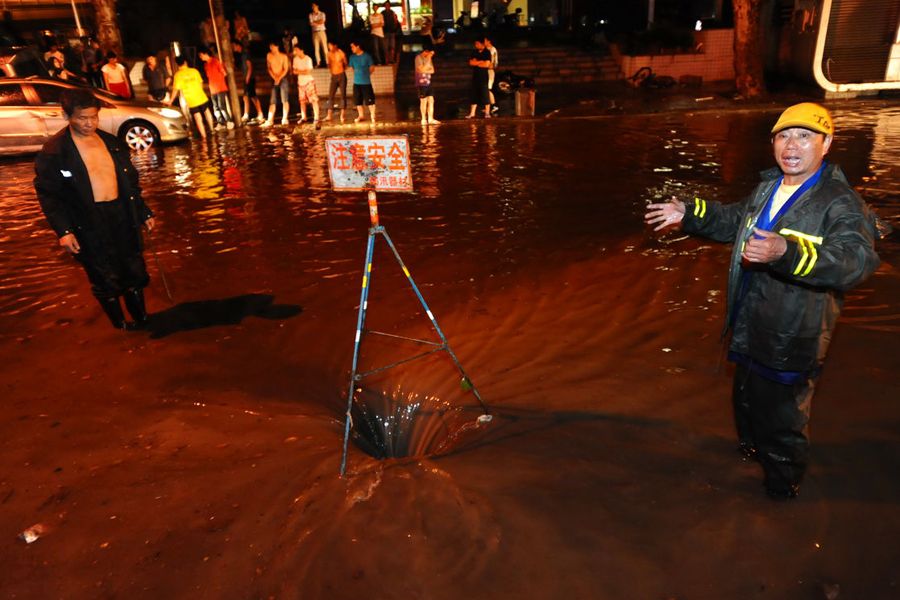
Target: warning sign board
(379,163)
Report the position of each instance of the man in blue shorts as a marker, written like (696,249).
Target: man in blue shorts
(363,66)
(278,67)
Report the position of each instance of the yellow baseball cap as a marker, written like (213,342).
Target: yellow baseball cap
(808,115)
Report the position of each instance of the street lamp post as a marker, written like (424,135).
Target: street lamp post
(77,19)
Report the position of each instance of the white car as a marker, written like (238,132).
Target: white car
(30,113)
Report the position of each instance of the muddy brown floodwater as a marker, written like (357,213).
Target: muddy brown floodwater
(200,459)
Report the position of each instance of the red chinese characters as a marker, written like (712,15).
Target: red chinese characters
(380,163)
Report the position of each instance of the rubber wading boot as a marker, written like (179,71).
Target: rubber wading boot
(134,302)
(113,310)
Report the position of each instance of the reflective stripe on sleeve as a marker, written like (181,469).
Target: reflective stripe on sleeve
(814,256)
(801,243)
(807,244)
(816,239)
(699,207)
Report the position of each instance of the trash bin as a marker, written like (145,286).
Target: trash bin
(525,102)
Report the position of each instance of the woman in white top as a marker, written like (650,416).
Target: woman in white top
(115,77)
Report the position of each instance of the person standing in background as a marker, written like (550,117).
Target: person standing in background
(376,29)
(363,92)
(495,60)
(424,73)
(218,88)
(288,41)
(391,30)
(115,77)
(249,82)
(337,64)
(189,84)
(157,78)
(480,63)
(319,35)
(241,29)
(278,67)
(302,67)
(92,57)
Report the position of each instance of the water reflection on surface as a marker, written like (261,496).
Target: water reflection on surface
(491,197)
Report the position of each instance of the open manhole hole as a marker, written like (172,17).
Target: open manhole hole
(397,424)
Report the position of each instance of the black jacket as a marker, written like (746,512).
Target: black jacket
(783,314)
(64,188)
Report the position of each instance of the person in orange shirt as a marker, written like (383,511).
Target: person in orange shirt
(218,88)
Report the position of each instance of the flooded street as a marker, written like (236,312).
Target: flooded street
(200,459)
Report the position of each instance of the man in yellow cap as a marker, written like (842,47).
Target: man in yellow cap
(802,239)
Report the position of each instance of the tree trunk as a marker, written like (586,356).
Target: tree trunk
(748,53)
(108,33)
(226,55)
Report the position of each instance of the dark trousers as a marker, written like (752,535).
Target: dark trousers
(112,259)
(379,50)
(338,82)
(773,418)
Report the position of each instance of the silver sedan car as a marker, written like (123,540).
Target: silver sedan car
(30,113)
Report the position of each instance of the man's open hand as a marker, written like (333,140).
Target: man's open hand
(663,215)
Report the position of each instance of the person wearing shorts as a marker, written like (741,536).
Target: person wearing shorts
(302,67)
(189,84)
(337,64)
(278,67)
(363,93)
(424,73)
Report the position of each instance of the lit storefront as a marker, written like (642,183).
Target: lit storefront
(409,12)
(412,12)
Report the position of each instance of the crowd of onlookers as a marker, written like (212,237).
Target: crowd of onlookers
(86,62)
(203,88)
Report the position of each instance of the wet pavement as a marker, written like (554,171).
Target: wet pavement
(200,458)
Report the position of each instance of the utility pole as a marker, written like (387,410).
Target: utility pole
(226,55)
(77,18)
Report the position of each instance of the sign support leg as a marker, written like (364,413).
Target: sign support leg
(360,323)
(434,323)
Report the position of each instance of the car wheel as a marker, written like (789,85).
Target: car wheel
(139,135)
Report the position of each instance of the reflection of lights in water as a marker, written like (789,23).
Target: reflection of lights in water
(572,188)
(425,171)
(183,171)
(492,157)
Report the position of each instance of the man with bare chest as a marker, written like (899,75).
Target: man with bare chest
(90,195)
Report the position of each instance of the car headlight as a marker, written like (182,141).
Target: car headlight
(165,111)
